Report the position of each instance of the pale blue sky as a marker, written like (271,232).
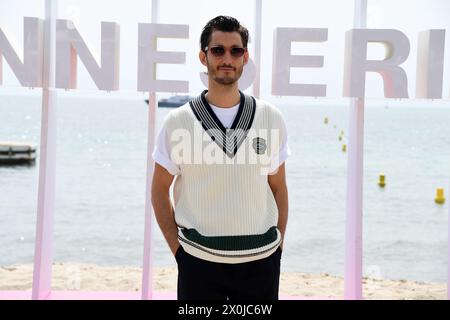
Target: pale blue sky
(408,16)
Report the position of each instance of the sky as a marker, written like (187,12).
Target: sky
(410,17)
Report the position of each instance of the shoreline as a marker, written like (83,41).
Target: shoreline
(91,277)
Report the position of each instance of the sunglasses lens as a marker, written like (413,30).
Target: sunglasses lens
(218,51)
(237,52)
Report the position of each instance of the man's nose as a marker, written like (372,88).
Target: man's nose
(227,57)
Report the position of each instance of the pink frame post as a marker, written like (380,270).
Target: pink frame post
(147,267)
(46,194)
(257,50)
(147,272)
(353,233)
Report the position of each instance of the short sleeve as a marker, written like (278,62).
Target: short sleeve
(278,158)
(161,153)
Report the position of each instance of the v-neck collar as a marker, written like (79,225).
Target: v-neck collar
(228,139)
(214,116)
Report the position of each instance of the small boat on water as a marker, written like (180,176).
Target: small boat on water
(173,102)
(14,153)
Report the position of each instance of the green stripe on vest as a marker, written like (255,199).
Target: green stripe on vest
(231,243)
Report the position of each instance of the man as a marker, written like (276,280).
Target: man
(227,151)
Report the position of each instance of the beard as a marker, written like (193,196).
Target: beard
(226,80)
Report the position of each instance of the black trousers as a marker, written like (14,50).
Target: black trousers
(199,279)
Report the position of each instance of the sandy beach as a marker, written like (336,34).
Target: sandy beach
(87,277)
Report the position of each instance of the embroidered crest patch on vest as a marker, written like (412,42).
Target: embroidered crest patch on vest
(259,145)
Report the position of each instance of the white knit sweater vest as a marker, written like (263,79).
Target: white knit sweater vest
(224,207)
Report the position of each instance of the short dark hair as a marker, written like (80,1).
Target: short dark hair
(225,24)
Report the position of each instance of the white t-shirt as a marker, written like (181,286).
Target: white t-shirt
(161,153)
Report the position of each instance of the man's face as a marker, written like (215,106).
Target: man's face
(226,69)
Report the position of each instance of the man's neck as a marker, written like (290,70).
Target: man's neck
(223,96)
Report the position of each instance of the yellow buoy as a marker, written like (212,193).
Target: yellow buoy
(382,180)
(344,148)
(440,199)
(325,120)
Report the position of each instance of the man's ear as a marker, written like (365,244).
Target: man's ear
(202,57)
(246,57)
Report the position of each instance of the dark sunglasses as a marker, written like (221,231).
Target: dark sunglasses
(236,52)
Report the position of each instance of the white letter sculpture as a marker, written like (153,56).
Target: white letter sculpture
(29,73)
(69,43)
(356,63)
(148,57)
(283,61)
